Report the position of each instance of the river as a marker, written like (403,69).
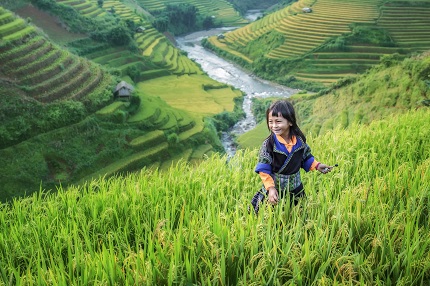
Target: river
(230,73)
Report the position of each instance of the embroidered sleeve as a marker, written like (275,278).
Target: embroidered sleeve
(264,159)
(308,158)
(267,180)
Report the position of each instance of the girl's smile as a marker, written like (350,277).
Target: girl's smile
(279,125)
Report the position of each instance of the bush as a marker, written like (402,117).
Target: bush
(172,139)
(390,60)
(134,104)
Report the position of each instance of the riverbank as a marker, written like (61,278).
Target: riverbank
(230,73)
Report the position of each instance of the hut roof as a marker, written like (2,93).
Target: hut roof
(123,84)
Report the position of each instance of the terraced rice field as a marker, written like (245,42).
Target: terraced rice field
(409,26)
(153,146)
(179,91)
(87,8)
(221,10)
(155,47)
(12,28)
(46,72)
(305,33)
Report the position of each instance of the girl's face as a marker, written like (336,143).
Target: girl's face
(279,125)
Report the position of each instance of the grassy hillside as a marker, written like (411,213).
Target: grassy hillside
(393,87)
(61,123)
(366,223)
(220,10)
(43,86)
(337,39)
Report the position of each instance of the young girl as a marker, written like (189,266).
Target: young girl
(281,156)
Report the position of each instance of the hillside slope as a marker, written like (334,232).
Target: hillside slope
(61,122)
(220,10)
(364,223)
(393,87)
(337,39)
(43,86)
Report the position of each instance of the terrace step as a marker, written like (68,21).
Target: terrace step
(57,80)
(38,63)
(29,56)
(133,162)
(92,84)
(11,27)
(11,52)
(145,141)
(65,90)
(28,31)
(6,17)
(49,71)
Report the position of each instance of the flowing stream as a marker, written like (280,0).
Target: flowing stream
(229,73)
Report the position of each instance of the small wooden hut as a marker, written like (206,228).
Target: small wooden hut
(123,90)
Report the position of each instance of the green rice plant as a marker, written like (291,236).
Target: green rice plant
(27,31)
(364,223)
(145,141)
(11,27)
(111,108)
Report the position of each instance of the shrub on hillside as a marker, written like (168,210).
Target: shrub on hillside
(390,60)
(172,139)
(134,104)
(264,43)
(117,35)
(22,120)
(224,120)
(244,5)
(182,18)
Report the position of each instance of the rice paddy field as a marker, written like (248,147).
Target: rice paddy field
(365,223)
(208,96)
(320,38)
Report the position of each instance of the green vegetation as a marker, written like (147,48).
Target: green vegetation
(179,91)
(181,19)
(258,47)
(394,86)
(244,5)
(108,142)
(43,87)
(156,206)
(338,39)
(60,121)
(364,223)
(220,11)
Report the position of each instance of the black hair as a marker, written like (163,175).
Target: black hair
(286,109)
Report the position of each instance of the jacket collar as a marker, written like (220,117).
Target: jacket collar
(280,148)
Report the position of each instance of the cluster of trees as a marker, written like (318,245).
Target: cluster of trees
(24,119)
(180,19)
(244,5)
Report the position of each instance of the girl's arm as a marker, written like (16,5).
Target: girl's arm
(269,184)
(323,168)
(267,180)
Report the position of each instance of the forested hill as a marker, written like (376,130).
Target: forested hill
(329,40)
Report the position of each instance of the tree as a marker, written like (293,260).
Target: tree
(119,36)
(208,23)
(161,24)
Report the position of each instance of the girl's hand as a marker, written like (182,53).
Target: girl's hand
(273,196)
(323,168)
